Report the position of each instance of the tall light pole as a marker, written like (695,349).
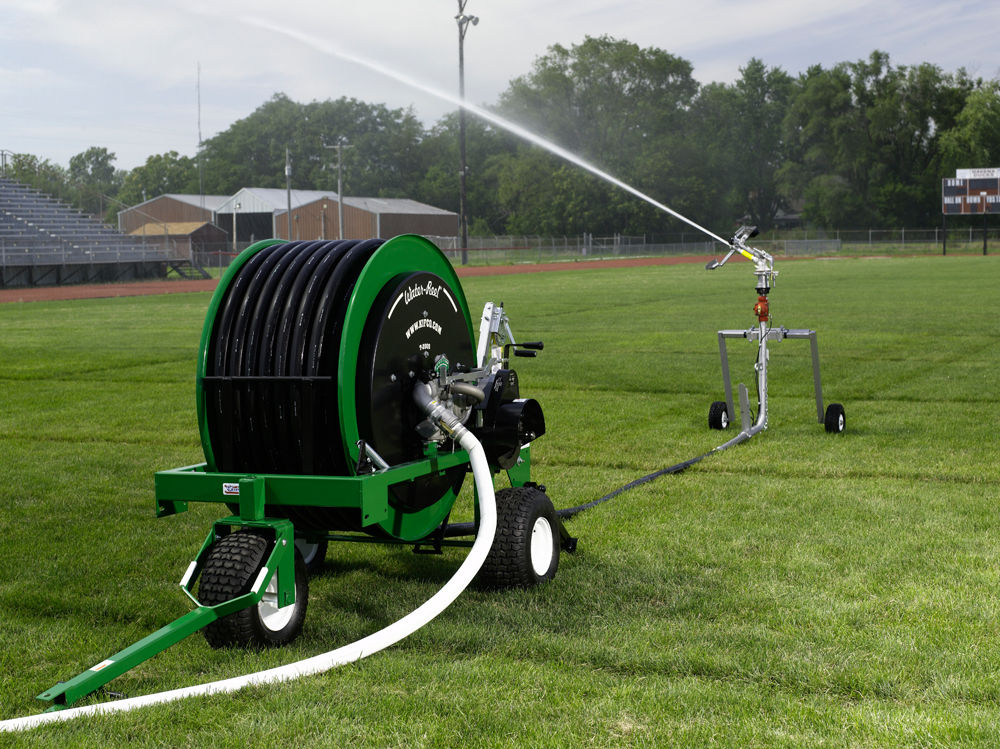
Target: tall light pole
(463,26)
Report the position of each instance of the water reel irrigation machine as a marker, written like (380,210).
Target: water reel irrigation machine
(341,398)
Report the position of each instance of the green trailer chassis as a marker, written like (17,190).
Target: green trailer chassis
(177,488)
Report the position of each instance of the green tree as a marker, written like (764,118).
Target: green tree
(603,98)
(41,174)
(161,174)
(974,141)
(863,141)
(94,177)
(760,106)
(383,161)
(625,109)
(484,144)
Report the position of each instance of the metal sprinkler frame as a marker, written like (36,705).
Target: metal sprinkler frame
(721,413)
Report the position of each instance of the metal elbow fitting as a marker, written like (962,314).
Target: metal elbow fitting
(437,412)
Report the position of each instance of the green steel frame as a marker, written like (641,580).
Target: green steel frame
(281,561)
(178,487)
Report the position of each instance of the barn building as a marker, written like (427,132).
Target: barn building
(366,218)
(184,240)
(254,209)
(262,213)
(170,209)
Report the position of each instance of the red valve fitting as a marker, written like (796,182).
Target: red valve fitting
(760,309)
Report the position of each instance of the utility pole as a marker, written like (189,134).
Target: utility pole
(340,146)
(235,209)
(288,190)
(982,195)
(201,183)
(463,25)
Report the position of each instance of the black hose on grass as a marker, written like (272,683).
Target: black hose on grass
(678,468)
(468,529)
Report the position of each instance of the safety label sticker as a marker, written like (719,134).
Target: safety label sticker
(102,665)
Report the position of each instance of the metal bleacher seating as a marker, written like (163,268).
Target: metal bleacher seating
(35,224)
(39,233)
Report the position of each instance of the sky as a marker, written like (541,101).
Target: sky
(124,75)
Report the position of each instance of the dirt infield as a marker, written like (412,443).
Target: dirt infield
(145,288)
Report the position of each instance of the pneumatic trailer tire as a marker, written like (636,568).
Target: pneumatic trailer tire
(231,569)
(718,415)
(313,554)
(836,420)
(525,551)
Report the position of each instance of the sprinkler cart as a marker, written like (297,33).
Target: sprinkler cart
(340,398)
(721,414)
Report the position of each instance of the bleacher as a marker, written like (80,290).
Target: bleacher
(44,241)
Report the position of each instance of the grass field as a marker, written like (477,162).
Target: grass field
(803,589)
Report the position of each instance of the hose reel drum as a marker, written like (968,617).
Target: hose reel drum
(315,346)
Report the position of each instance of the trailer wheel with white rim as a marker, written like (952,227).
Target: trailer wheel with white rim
(525,550)
(233,564)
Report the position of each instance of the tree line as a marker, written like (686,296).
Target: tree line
(858,145)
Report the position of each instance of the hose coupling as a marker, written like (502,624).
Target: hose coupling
(437,412)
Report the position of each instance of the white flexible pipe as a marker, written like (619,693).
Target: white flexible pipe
(346,654)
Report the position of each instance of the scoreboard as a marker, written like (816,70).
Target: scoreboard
(972,191)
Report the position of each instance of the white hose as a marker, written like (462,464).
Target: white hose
(346,654)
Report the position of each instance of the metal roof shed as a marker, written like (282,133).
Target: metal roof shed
(170,208)
(366,218)
(183,239)
(257,209)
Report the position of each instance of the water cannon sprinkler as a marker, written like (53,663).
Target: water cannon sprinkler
(763,263)
(722,413)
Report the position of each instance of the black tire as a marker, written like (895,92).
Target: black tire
(314,555)
(836,420)
(233,563)
(525,551)
(718,415)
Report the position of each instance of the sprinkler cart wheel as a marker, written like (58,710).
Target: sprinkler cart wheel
(525,551)
(313,553)
(233,565)
(718,415)
(836,420)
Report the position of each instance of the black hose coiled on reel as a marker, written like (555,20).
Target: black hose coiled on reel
(279,323)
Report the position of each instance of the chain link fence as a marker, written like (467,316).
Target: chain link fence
(52,260)
(512,250)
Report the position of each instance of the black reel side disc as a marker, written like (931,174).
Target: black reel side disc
(413,320)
